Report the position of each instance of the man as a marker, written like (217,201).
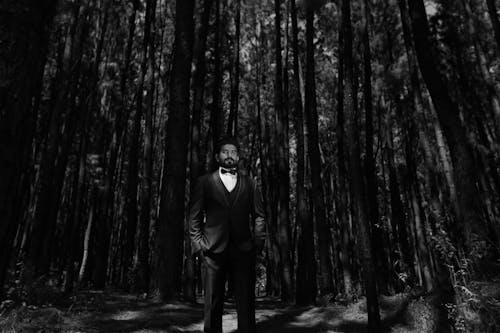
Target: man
(222,206)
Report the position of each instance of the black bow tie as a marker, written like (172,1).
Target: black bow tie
(231,171)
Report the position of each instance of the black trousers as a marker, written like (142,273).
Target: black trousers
(241,265)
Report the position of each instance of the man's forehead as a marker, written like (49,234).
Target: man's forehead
(228,146)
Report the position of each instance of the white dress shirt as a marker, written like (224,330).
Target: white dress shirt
(228,180)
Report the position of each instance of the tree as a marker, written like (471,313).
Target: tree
(492,11)
(232,122)
(361,212)
(322,229)
(141,263)
(371,174)
(166,284)
(282,165)
(305,288)
(196,162)
(470,222)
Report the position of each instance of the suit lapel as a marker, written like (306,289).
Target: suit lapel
(221,190)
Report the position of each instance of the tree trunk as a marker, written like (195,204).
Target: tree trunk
(263,133)
(86,240)
(103,237)
(80,174)
(55,160)
(415,123)
(492,11)
(232,123)
(24,27)
(133,155)
(282,164)
(322,228)
(398,216)
(216,116)
(166,279)
(141,264)
(196,166)
(305,289)
(470,222)
(356,178)
(371,174)
(343,207)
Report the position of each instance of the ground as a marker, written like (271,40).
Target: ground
(98,311)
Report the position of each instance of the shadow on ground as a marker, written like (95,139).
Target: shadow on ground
(108,312)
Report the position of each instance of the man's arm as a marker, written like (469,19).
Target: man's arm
(196,215)
(260,217)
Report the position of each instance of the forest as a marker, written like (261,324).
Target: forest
(371,127)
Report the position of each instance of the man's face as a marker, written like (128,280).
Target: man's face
(227,156)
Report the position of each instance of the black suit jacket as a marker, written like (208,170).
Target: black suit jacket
(213,220)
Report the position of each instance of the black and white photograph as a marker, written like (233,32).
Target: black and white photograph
(249,166)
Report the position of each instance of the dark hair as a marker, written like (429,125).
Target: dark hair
(227,140)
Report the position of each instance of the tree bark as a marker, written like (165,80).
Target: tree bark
(322,228)
(196,165)
(232,123)
(356,178)
(282,164)
(79,189)
(25,27)
(166,278)
(141,264)
(216,116)
(55,158)
(492,11)
(305,289)
(371,174)
(470,221)
(343,207)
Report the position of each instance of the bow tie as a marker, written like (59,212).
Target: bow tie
(231,171)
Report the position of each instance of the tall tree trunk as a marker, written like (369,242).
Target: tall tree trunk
(196,165)
(263,132)
(415,198)
(492,11)
(305,289)
(415,123)
(103,230)
(216,116)
(356,178)
(54,162)
(470,221)
(74,227)
(343,207)
(282,164)
(86,238)
(398,216)
(371,174)
(142,257)
(322,228)
(24,27)
(232,123)
(492,87)
(166,279)
(79,187)
(132,202)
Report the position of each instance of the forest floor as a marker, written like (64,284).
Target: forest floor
(97,311)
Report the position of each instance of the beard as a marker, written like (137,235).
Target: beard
(228,163)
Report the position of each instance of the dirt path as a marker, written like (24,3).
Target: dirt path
(98,312)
